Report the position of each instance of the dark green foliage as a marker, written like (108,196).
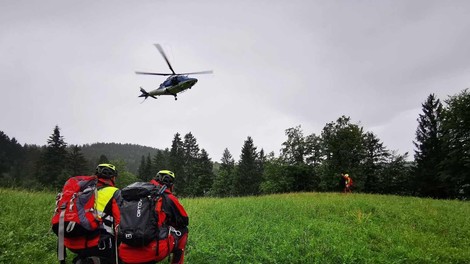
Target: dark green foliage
(343,144)
(141,170)
(204,176)
(26,170)
(77,164)
(343,151)
(455,167)
(222,185)
(53,162)
(176,163)
(248,177)
(276,178)
(11,155)
(190,164)
(129,153)
(124,176)
(375,159)
(428,151)
(146,170)
(160,160)
(103,159)
(294,148)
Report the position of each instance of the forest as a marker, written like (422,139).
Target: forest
(307,163)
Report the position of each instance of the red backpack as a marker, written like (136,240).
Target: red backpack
(75,213)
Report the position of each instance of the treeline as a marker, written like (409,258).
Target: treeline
(47,167)
(315,162)
(306,162)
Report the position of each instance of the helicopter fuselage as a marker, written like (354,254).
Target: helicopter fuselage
(173,85)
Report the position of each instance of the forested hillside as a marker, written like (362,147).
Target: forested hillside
(131,154)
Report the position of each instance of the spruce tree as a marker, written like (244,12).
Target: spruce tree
(223,181)
(374,160)
(455,167)
(160,160)
(11,158)
(190,154)
(52,165)
(148,171)
(248,177)
(141,169)
(428,151)
(203,174)
(176,162)
(77,163)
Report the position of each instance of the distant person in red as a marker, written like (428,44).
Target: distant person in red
(171,217)
(347,183)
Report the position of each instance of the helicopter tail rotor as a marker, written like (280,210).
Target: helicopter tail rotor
(145,94)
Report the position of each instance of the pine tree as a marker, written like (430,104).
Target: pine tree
(11,156)
(141,169)
(160,160)
(52,165)
(223,181)
(375,158)
(148,171)
(203,174)
(77,163)
(248,178)
(176,162)
(455,167)
(190,154)
(428,151)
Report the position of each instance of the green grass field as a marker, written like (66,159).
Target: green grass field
(287,228)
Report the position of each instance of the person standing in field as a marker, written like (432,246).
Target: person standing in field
(100,247)
(347,183)
(172,219)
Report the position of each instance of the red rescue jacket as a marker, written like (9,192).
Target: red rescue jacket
(176,217)
(111,209)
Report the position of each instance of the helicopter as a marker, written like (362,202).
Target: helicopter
(174,84)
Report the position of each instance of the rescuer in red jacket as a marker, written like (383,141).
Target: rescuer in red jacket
(171,217)
(102,246)
(347,183)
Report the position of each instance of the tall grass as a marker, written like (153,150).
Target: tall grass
(287,228)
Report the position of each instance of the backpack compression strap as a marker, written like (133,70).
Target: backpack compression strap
(60,244)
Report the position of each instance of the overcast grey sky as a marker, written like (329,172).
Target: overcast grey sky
(277,64)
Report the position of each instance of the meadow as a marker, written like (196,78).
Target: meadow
(284,228)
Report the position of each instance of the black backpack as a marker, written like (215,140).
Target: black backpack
(139,221)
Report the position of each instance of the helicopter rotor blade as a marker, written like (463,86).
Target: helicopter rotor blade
(200,72)
(164,56)
(154,73)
